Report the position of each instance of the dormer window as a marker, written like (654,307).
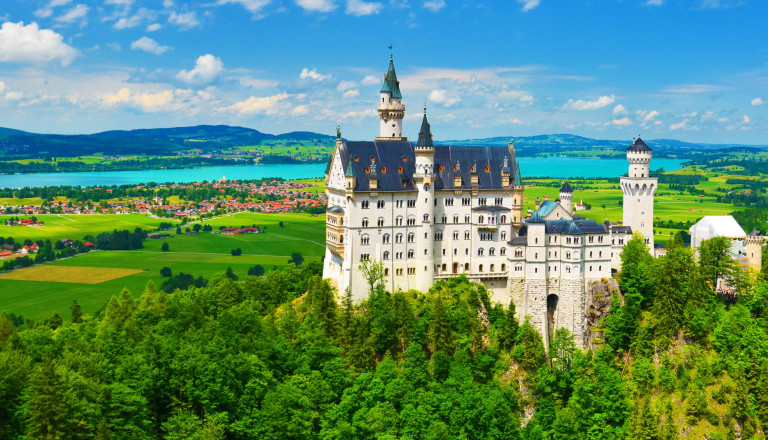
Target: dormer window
(384,170)
(400,170)
(487,169)
(440,168)
(357,158)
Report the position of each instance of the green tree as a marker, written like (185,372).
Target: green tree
(509,328)
(166,272)
(47,408)
(256,270)
(373,273)
(530,350)
(296,258)
(716,260)
(164,247)
(672,273)
(76,316)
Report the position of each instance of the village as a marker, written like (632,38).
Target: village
(268,197)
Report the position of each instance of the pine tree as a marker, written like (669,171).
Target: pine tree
(440,334)
(77,313)
(509,328)
(47,408)
(671,276)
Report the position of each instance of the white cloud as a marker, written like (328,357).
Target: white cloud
(622,122)
(149,45)
(141,16)
(589,105)
(692,89)
(77,13)
(654,2)
(515,121)
(317,5)
(745,119)
(185,20)
(167,4)
(313,75)
(350,93)
(360,8)
(150,102)
(370,80)
(441,97)
(434,5)
(268,105)
(2,87)
(207,68)
(114,46)
(619,110)
(154,27)
(253,6)
(757,101)
(650,115)
(124,3)
(19,43)
(47,11)
(257,83)
(300,110)
(679,125)
(14,96)
(528,4)
(346,85)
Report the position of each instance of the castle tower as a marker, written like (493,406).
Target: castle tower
(391,108)
(566,198)
(424,178)
(639,188)
(755,250)
(517,190)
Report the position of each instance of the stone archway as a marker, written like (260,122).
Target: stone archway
(551,314)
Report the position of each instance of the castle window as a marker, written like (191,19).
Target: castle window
(466,235)
(443,252)
(365,257)
(503,251)
(455,235)
(567,240)
(590,268)
(536,256)
(365,239)
(492,252)
(487,169)
(364,204)
(492,267)
(518,252)
(398,221)
(466,201)
(386,255)
(411,270)
(519,268)
(480,252)
(438,236)
(599,268)
(466,251)
(411,221)
(480,219)
(481,268)
(600,254)
(400,169)
(499,200)
(567,269)
(380,221)
(440,169)
(380,204)
(466,219)
(411,203)
(445,219)
(466,266)
(503,235)
(455,251)
(503,267)
(600,239)
(385,239)
(365,222)
(444,267)
(535,270)
(448,202)
(426,218)
(411,237)
(536,240)
(590,254)
(367,170)
(591,238)
(410,253)
(399,255)
(399,238)
(386,271)
(503,219)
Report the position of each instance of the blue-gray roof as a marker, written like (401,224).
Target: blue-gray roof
(390,156)
(638,145)
(391,84)
(546,207)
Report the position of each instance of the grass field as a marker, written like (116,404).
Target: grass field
(205,254)
(68,274)
(75,227)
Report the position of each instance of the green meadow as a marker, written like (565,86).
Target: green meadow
(204,255)
(74,226)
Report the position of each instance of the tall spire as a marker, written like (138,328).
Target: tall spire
(425,134)
(391,84)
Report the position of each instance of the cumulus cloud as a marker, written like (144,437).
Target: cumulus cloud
(515,121)
(185,20)
(441,97)
(253,6)
(654,2)
(619,110)
(350,93)
(150,102)
(149,45)
(622,122)
(529,4)
(650,115)
(256,83)
(142,15)
(267,104)
(580,104)
(680,125)
(370,80)
(434,5)
(19,43)
(300,110)
(360,8)
(317,5)
(77,13)
(313,75)
(745,119)
(757,101)
(2,87)
(207,68)
(154,27)
(346,85)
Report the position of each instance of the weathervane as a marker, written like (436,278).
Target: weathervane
(338,131)
(390,51)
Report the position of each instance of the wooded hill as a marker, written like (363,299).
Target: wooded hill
(155,141)
(277,357)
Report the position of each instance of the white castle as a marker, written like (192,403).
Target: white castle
(429,212)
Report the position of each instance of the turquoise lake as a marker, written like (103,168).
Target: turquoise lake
(554,167)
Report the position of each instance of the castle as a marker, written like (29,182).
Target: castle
(429,212)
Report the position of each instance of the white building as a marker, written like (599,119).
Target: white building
(429,212)
(747,249)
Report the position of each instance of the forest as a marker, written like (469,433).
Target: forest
(280,356)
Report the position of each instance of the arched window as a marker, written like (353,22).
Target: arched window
(399,221)
(492,267)
(492,251)
(481,268)
(503,251)
(411,237)
(480,252)
(480,219)
(399,238)
(426,218)
(444,267)
(503,219)
(455,235)
(385,239)
(386,255)
(365,239)
(365,222)
(466,266)
(380,221)
(503,267)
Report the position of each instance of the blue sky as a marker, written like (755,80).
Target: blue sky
(694,70)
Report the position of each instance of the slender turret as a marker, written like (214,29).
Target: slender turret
(391,108)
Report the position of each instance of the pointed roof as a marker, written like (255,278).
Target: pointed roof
(638,145)
(536,218)
(566,188)
(518,179)
(350,170)
(754,233)
(391,84)
(574,229)
(425,134)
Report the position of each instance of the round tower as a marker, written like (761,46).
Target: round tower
(754,243)
(639,189)
(566,198)
(424,178)
(391,108)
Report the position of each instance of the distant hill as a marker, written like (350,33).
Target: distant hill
(563,143)
(143,141)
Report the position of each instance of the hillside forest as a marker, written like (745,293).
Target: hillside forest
(282,357)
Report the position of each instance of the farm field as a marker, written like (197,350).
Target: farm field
(202,255)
